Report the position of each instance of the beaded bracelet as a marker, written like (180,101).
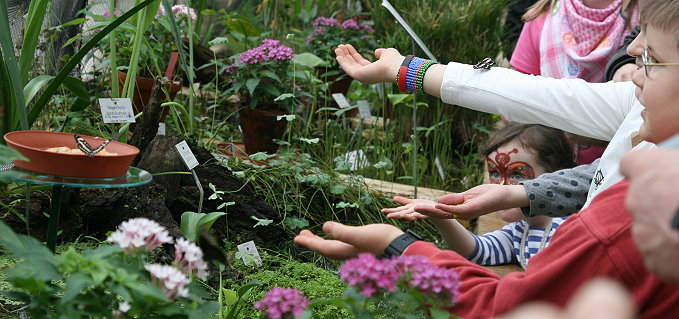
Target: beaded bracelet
(419,77)
(402,72)
(414,65)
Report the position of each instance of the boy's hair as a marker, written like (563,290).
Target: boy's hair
(661,14)
(550,145)
(542,6)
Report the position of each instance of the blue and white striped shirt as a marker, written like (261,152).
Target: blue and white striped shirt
(503,245)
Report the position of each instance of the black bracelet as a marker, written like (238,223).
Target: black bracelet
(675,220)
(398,245)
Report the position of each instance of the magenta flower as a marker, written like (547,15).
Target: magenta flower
(351,24)
(171,281)
(270,50)
(181,10)
(189,258)
(107,14)
(429,279)
(370,274)
(138,234)
(323,21)
(279,303)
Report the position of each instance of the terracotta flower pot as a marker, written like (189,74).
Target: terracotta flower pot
(260,128)
(142,92)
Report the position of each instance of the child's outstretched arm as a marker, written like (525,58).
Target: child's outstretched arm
(457,238)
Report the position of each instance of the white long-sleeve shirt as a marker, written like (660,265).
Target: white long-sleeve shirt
(605,111)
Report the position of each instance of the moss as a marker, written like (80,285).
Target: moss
(313,281)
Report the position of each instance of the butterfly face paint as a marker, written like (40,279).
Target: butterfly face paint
(503,170)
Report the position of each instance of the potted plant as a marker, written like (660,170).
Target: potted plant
(327,34)
(157,53)
(263,78)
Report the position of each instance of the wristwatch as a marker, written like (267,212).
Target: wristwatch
(398,245)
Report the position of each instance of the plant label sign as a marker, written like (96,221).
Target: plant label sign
(341,100)
(363,109)
(116,110)
(186,155)
(249,249)
(161,129)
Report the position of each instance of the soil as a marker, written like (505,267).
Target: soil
(94,212)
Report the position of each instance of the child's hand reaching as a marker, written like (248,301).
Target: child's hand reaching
(384,69)
(409,208)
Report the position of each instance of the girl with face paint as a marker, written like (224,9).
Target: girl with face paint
(515,153)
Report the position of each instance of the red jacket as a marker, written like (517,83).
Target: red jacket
(594,243)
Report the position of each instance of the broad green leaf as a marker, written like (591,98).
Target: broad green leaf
(251,84)
(75,283)
(337,189)
(35,85)
(293,223)
(192,222)
(284,96)
(270,74)
(77,87)
(309,140)
(218,40)
(270,88)
(230,296)
(396,99)
(345,205)
(308,60)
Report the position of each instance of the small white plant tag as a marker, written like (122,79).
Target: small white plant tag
(186,155)
(364,109)
(250,249)
(341,100)
(161,129)
(439,168)
(116,110)
(357,159)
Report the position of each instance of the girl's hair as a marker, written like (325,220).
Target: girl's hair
(550,145)
(542,6)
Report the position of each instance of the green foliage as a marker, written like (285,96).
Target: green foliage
(313,281)
(192,223)
(93,283)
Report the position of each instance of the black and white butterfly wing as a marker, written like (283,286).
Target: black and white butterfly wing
(85,147)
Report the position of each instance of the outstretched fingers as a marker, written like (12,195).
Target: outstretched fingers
(332,249)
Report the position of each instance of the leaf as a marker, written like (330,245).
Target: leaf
(396,99)
(242,26)
(271,75)
(309,140)
(75,283)
(8,154)
(345,205)
(439,313)
(251,84)
(271,89)
(289,117)
(191,222)
(230,296)
(218,40)
(261,156)
(284,96)
(261,222)
(16,296)
(337,189)
(77,87)
(293,223)
(35,85)
(308,60)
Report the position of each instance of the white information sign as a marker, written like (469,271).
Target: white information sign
(186,155)
(116,110)
(161,129)
(341,100)
(250,249)
(363,109)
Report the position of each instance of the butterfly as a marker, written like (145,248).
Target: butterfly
(210,247)
(86,148)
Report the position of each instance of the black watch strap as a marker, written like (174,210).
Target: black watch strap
(398,245)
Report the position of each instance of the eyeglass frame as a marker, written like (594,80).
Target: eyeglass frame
(646,64)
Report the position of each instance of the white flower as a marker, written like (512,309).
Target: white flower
(169,279)
(189,258)
(140,233)
(124,306)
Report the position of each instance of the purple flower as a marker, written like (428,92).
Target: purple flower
(323,21)
(189,258)
(351,24)
(368,29)
(429,279)
(317,32)
(279,302)
(270,50)
(370,274)
(139,234)
(170,280)
(181,10)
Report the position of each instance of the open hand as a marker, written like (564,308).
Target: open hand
(477,201)
(385,69)
(349,241)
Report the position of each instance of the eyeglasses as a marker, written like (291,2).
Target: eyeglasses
(649,62)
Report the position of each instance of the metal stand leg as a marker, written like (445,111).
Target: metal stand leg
(53,222)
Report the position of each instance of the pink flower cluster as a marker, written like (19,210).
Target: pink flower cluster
(270,50)
(333,27)
(179,11)
(138,234)
(429,279)
(189,258)
(107,14)
(172,281)
(370,274)
(281,303)
(373,275)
